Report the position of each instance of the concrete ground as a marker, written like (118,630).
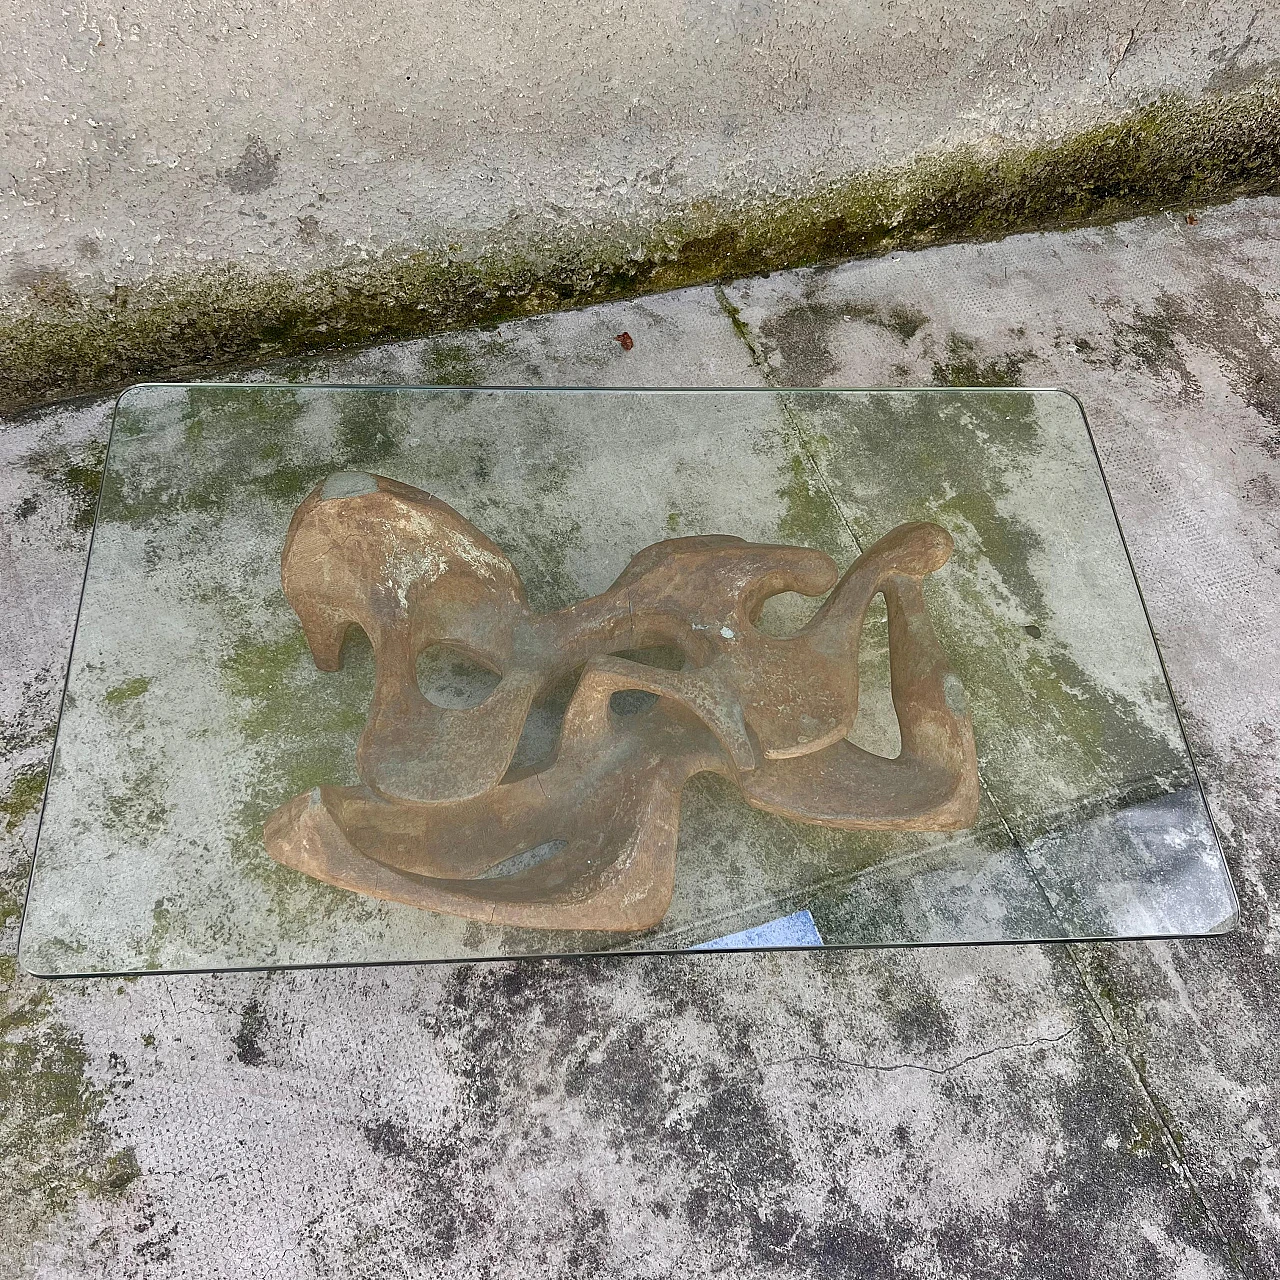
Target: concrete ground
(1036,1111)
(222,183)
(147,144)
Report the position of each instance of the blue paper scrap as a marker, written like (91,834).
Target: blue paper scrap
(795,930)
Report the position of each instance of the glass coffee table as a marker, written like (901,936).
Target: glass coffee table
(372,675)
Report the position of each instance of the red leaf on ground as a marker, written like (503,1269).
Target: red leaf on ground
(626,339)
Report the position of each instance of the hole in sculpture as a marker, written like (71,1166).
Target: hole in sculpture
(356,652)
(876,728)
(541,730)
(525,860)
(666,656)
(784,615)
(630,702)
(454,679)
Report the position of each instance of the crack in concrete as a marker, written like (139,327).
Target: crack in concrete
(740,327)
(1177,1159)
(761,363)
(886,1068)
(924,1066)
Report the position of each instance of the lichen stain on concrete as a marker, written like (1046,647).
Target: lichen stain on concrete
(1227,317)
(452,364)
(75,475)
(962,366)
(248,1037)
(435,1168)
(256,169)
(795,346)
(796,340)
(1229,320)
(136,805)
(1170,154)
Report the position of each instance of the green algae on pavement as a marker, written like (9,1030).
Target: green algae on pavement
(24,795)
(56,1146)
(127,690)
(1171,153)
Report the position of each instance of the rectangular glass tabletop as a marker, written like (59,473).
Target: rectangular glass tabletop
(539,672)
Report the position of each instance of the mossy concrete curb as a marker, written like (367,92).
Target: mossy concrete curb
(1172,154)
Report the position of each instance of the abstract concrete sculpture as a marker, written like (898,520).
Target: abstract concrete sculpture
(442,816)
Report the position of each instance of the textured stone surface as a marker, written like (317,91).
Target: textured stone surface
(144,143)
(1083,1111)
(228,182)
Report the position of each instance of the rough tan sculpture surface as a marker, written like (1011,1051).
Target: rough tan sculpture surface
(441,813)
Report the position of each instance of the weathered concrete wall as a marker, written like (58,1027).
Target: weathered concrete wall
(1047,1112)
(219,181)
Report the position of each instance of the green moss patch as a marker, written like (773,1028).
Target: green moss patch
(77,476)
(24,795)
(1172,153)
(127,691)
(55,1147)
(307,729)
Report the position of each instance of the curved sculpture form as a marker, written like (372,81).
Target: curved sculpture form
(441,818)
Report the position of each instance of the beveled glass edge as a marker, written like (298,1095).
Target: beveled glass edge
(1232,923)
(1228,926)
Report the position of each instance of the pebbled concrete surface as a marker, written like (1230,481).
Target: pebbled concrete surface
(1058,1111)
